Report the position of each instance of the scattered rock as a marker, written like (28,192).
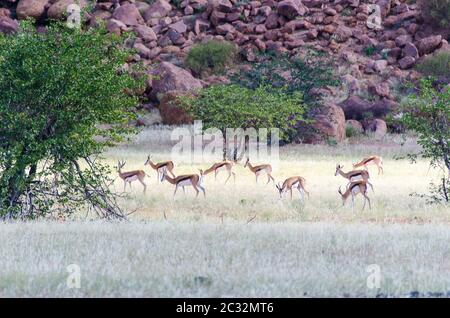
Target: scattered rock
(377,127)
(128,14)
(31,8)
(167,77)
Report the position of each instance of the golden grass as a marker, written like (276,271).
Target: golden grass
(244,200)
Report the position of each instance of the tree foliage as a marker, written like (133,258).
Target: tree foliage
(213,56)
(291,75)
(427,113)
(65,97)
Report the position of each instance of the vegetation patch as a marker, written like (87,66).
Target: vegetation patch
(213,57)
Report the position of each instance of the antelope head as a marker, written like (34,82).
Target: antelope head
(338,167)
(279,187)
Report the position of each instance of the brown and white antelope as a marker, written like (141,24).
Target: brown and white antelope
(296,182)
(130,176)
(354,175)
(194,180)
(353,190)
(376,160)
(222,166)
(261,169)
(159,167)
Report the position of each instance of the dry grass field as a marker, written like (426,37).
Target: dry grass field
(242,240)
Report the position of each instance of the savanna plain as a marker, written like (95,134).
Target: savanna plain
(242,240)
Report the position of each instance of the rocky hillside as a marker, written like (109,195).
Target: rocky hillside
(371,62)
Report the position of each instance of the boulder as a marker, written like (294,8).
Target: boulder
(380,89)
(291,8)
(128,14)
(355,125)
(410,50)
(31,8)
(329,123)
(406,62)
(167,77)
(158,9)
(146,33)
(8,25)
(58,10)
(376,127)
(429,44)
(355,108)
(342,34)
(170,110)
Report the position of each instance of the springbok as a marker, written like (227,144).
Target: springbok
(194,180)
(160,166)
(130,176)
(354,175)
(376,160)
(258,170)
(225,166)
(353,190)
(296,182)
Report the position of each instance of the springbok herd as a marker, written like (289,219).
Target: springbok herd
(358,179)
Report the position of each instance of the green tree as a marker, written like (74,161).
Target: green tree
(233,106)
(64,97)
(427,113)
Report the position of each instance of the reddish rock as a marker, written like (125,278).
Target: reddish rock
(342,34)
(381,89)
(58,10)
(217,17)
(128,14)
(429,44)
(410,50)
(407,62)
(272,21)
(291,8)
(179,26)
(330,123)
(201,26)
(167,77)
(158,9)
(146,33)
(355,125)
(354,107)
(223,29)
(31,8)
(8,25)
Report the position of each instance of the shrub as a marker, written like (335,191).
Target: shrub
(427,113)
(233,106)
(436,12)
(59,88)
(351,131)
(436,66)
(212,56)
(289,74)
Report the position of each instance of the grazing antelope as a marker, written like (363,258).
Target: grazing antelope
(258,170)
(376,160)
(296,182)
(354,175)
(225,166)
(130,176)
(193,180)
(168,165)
(355,188)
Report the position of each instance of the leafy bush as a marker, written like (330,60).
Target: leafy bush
(427,113)
(351,131)
(212,56)
(437,65)
(436,12)
(59,88)
(289,74)
(233,106)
